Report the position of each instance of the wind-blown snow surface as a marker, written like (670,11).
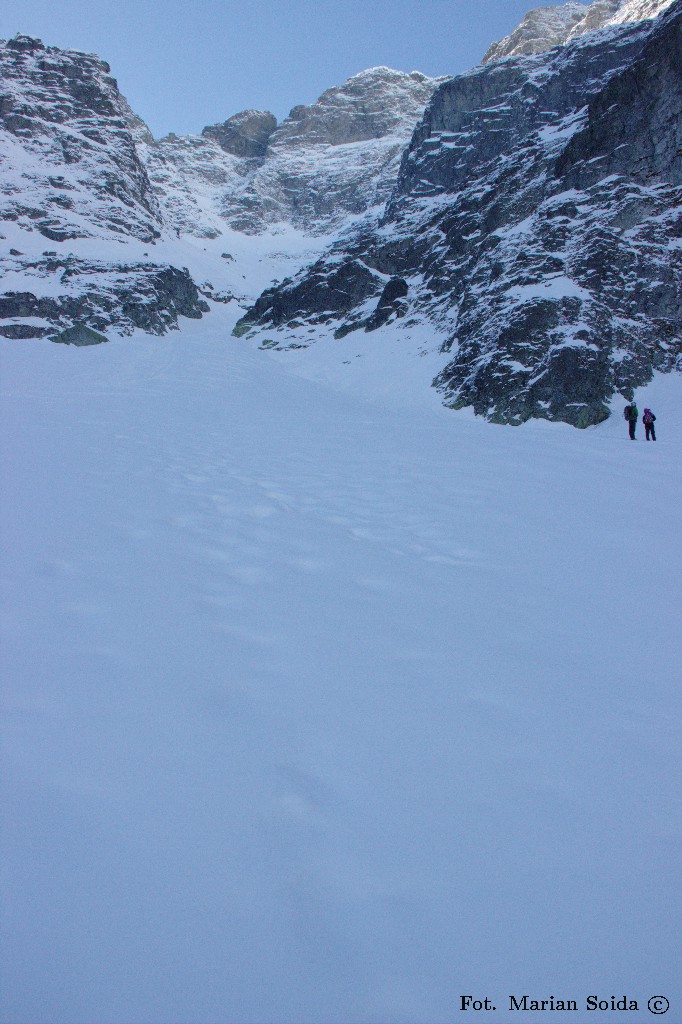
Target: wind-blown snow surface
(326,704)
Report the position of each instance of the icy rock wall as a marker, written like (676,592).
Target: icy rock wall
(550,255)
(72,176)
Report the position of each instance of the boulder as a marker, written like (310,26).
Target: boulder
(79,334)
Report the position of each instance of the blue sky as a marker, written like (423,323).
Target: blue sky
(183,64)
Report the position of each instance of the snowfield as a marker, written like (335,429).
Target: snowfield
(324,703)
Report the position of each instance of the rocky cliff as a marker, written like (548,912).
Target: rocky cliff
(543,28)
(536,221)
(71,176)
(336,158)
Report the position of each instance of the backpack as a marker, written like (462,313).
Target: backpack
(627,412)
(648,417)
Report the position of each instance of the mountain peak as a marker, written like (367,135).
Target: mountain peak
(543,28)
(26,44)
(372,104)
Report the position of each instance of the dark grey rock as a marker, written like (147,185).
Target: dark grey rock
(120,296)
(634,126)
(389,307)
(245,135)
(22,331)
(79,334)
(323,293)
(215,294)
(25,44)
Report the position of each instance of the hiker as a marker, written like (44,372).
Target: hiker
(631,413)
(648,419)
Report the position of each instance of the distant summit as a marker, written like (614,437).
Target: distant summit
(334,158)
(546,27)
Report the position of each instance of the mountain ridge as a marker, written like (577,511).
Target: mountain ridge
(556,286)
(544,28)
(382,174)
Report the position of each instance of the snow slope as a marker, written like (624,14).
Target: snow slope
(324,703)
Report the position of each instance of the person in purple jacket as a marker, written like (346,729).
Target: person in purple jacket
(648,419)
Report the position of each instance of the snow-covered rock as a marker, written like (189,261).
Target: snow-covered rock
(543,28)
(245,134)
(537,222)
(336,158)
(532,216)
(69,163)
(72,176)
(192,175)
(639,10)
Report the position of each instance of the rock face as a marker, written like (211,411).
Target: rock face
(544,28)
(193,176)
(337,157)
(244,135)
(63,290)
(71,174)
(65,129)
(537,221)
(333,159)
(79,335)
(638,10)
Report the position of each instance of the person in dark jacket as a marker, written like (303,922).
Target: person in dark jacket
(631,414)
(648,419)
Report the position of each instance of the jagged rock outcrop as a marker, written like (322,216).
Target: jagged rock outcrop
(191,176)
(195,177)
(244,135)
(336,157)
(60,290)
(544,28)
(79,335)
(537,221)
(70,168)
(638,10)
(71,172)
